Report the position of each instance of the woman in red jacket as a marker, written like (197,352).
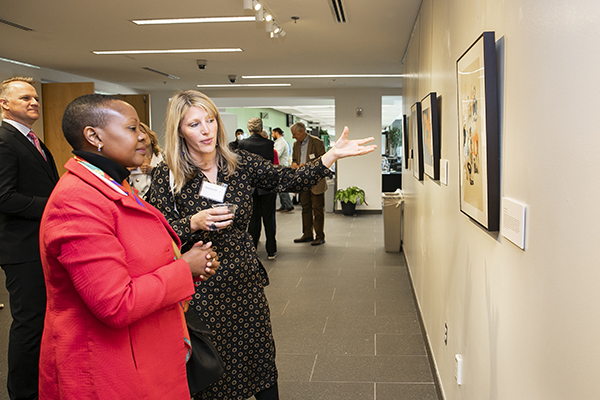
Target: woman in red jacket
(114,323)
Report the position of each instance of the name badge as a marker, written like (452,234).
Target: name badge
(311,156)
(213,191)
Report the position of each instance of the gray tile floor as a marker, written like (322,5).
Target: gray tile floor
(343,314)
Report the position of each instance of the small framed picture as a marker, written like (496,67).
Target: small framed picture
(417,140)
(407,142)
(431,136)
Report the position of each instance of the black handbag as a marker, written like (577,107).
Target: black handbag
(205,366)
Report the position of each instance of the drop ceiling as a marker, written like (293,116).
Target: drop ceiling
(64,33)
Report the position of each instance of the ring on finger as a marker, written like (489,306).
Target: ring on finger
(213,227)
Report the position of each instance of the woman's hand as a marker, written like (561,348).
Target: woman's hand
(146,168)
(211,219)
(347,148)
(202,260)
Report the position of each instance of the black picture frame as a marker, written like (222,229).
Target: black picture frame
(431,136)
(479,140)
(406,145)
(417,140)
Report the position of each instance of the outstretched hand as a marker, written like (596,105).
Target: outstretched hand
(344,147)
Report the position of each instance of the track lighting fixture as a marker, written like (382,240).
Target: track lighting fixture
(269,26)
(263,15)
(260,15)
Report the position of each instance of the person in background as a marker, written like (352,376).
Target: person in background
(239,136)
(141,176)
(199,170)
(263,201)
(28,175)
(117,284)
(283,151)
(306,149)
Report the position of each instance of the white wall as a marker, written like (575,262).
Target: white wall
(525,321)
(364,171)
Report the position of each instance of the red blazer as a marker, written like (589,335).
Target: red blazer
(113,329)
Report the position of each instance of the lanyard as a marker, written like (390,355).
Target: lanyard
(119,188)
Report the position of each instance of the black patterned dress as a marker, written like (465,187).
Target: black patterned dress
(233,302)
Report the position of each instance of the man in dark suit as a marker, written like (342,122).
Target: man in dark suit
(27,176)
(308,148)
(263,201)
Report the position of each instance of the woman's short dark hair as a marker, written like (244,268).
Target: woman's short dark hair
(86,110)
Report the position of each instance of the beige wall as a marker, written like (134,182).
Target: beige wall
(525,321)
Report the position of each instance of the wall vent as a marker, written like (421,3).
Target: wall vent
(23,28)
(339,15)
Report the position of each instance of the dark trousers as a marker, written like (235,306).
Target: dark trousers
(286,201)
(271,393)
(263,210)
(27,290)
(313,214)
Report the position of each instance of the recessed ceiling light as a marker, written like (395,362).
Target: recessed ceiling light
(192,20)
(323,76)
(245,85)
(8,60)
(170,51)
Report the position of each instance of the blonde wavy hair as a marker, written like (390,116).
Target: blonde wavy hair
(176,153)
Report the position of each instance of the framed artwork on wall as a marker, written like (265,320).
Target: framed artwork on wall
(431,136)
(479,141)
(407,145)
(417,140)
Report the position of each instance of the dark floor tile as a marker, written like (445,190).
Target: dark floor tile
(294,325)
(400,344)
(403,324)
(389,308)
(405,391)
(333,368)
(326,391)
(295,367)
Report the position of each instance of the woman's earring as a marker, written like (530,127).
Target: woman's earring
(99,146)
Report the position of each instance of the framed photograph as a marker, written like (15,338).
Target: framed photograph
(406,145)
(417,140)
(479,141)
(431,136)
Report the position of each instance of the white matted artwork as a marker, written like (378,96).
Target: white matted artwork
(479,143)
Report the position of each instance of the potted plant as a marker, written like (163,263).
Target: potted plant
(394,136)
(348,198)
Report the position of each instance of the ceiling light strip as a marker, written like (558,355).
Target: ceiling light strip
(246,85)
(169,51)
(8,60)
(323,76)
(192,20)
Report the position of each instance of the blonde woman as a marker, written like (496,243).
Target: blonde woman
(199,171)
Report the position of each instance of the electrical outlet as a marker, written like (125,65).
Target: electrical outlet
(446,333)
